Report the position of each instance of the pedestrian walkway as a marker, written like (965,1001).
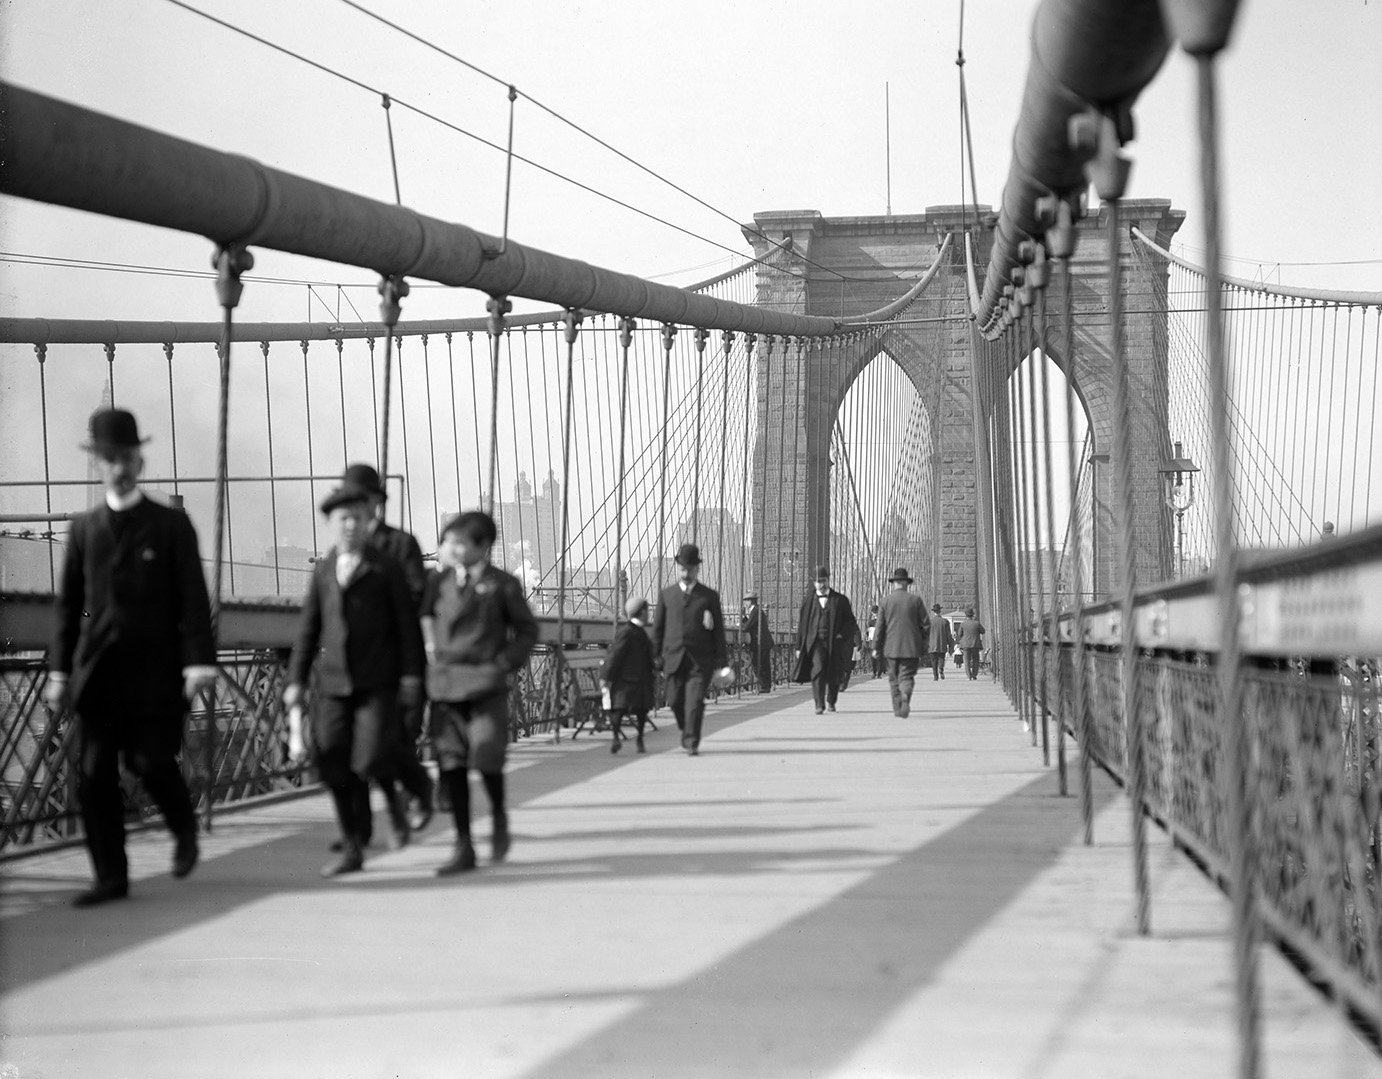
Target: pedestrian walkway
(847,895)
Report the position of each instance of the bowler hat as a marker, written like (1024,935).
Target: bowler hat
(113,429)
(901,574)
(750,595)
(936,607)
(688,555)
(364,476)
(822,573)
(344,495)
(635,606)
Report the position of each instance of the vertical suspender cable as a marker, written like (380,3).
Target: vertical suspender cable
(498,307)
(1039,570)
(455,422)
(1051,633)
(746,465)
(626,328)
(273,484)
(172,416)
(340,383)
(669,336)
(701,335)
(728,339)
(41,352)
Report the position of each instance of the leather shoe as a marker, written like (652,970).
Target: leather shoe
(350,861)
(614,746)
(102,892)
(830,708)
(820,711)
(185,854)
(692,751)
(462,860)
(500,842)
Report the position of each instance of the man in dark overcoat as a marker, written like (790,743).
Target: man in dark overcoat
(940,640)
(755,624)
(132,645)
(626,676)
(827,633)
(689,639)
(902,638)
(403,548)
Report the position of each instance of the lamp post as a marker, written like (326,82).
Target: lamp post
(1178,484)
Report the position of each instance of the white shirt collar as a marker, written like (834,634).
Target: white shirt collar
(124,502)
(465,574)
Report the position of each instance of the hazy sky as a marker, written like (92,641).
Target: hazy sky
(749,106)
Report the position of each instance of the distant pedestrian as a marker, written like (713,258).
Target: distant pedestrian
(359,628)
(755,624)
(880,665)
(689,639)
(479,630)
(971,641)
(940,642)
(626,676)
(827,633)
(131,647)
(903,632)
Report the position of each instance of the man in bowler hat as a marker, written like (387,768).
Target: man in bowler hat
(902,638)
(689,638)
(827,632)
(403,548)
(132,645)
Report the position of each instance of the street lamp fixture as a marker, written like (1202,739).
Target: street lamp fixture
(1178,486)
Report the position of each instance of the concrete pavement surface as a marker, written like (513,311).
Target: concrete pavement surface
(849,895)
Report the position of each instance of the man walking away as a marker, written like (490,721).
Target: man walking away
(940,641)
(903,635)
(971,641)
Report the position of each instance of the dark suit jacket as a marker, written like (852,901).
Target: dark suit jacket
(690,625)
(138,596)
(841,629)
(903,627)
(403,549)
(941,638)
(628,669)
(482,633)
(362,637)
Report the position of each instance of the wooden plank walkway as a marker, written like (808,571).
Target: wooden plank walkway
(848,895)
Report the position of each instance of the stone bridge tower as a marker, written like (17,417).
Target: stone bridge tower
(847,266)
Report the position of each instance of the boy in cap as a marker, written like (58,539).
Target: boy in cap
(131,646)
(626,676)
(360,628)
(478,630)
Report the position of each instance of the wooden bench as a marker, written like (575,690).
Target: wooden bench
(585,699)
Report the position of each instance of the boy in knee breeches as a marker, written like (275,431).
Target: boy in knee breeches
(478,630)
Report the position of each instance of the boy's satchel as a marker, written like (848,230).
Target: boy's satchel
(464,681)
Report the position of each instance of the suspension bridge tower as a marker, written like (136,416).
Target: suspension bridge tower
(851,266)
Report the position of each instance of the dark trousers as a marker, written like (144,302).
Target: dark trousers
(825,685)
(937,666)
(972,662)
(111,729)
(902,676)
(357,740)
(616,719)
(412,776)
(763,668)
(103,803)
(686,688)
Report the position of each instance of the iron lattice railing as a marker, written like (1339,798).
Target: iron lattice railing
(1314,782)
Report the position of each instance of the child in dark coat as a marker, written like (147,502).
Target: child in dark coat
(478,630)
(626,676)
